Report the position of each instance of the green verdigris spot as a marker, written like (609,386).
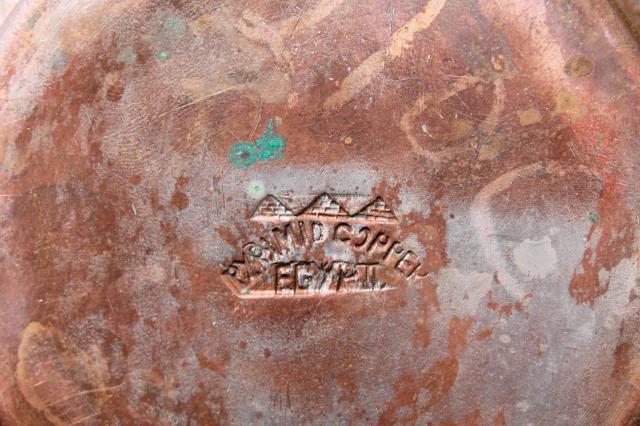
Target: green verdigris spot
(270,146)
(163,55)
(127,55)
(243,155)
(174,24)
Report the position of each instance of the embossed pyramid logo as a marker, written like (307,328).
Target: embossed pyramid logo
(271,209)
(377,211)
(289,258)
(324,207)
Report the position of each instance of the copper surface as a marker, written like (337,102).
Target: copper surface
(489,147)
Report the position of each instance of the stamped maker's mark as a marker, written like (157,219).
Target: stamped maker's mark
(322,249)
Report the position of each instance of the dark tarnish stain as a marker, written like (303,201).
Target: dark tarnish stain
(115,91)
(500,419)
(227,236)
(621,360)
(609,241)
(437,379)
(625,375)
(135,180)
(179,199)
(625,351)
(484,334)
(578,66)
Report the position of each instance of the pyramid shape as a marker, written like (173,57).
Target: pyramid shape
(377,211)
(325,206)
(270,208)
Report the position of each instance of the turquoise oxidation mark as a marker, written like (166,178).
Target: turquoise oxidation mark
(175,24)
(270,146)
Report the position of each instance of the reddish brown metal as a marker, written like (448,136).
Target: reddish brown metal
(489,147)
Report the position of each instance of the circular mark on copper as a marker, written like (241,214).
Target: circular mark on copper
(256,189)
(578,66)
(243,155)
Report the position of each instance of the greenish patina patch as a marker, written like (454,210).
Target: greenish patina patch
(256,189)
(175,24)
(593,218)
(127,55)
(163,55)
(269,146)
(243,155)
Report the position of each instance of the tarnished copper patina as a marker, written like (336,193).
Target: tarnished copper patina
(319,212)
